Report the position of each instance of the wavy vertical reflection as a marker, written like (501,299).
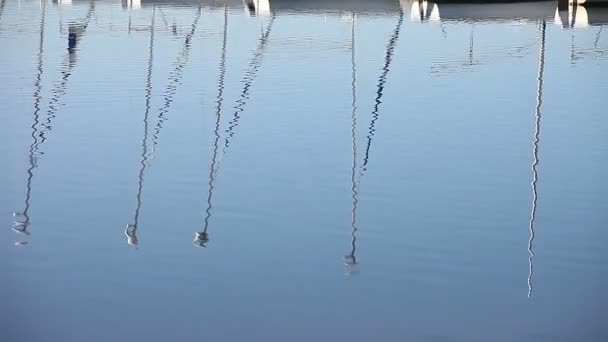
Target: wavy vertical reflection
(22,219)
(350,260)
(2,4)
(537,121)
(131,229)
(388,58)
(471,44)
(202,237)
(175,78)
(250,75)
(597,37)
(67,66)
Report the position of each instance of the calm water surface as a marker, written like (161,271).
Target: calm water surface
(302,171)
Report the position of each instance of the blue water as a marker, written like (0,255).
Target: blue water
(302,171)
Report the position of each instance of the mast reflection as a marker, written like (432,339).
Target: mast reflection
(202,237)
(69,63)
(22,219)
(40,129)
(537,122)
(350,260)
(131,229)
(148,153)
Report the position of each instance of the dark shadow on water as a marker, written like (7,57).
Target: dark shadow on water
(201,238)
(131,229)
(537,122)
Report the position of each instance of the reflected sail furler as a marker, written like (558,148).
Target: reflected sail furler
(537,121)
(2,4)
(202,237)
(350,260)
(131,229)
(76,31)
(175,78)
(250,76)
(388,58)
(22,219)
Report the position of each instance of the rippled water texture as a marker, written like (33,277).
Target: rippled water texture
(303,171)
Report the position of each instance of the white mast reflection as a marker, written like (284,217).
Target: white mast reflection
(202,237)
(350,260)
(537,117)
(22,219)
(131,229)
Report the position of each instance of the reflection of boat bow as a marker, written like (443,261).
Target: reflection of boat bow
(483,11)
(581,16)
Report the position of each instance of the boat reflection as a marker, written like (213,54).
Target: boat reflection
(446,10)
(581,16)
(575,16)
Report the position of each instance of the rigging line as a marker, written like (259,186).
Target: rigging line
(60,89)
(247,81)
(597,37)
(388,58)
(175,77)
